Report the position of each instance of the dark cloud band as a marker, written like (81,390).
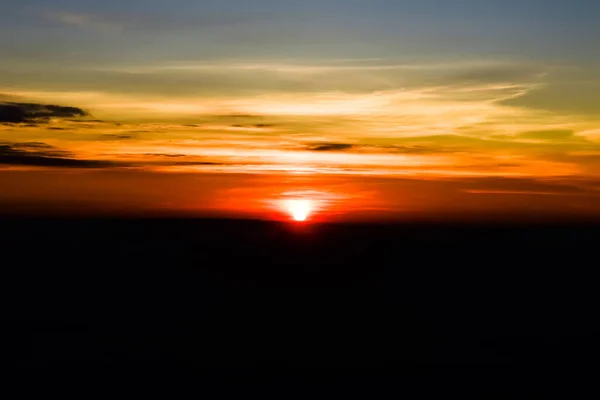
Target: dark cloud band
(36,154)
(31,112)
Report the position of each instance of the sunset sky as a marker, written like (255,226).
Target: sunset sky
(378,109)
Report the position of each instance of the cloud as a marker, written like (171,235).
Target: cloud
(434,149)
(110,23)
(512,192)
(361,101)
(183,163)
(165,155)
(253,126)
(498,73)
(173,160)
(524,186)
(181,77)
(436,73)
(11,114)
(330,147)
(378,148)
(446,121)
(31,145)
(116,137)
(548,135)
(32,112)
(37,154)
(82,20)
(573,91)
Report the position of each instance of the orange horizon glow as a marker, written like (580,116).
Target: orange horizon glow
(320,199)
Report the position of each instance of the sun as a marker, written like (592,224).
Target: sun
(299,210)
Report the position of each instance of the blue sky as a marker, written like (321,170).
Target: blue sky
(557,31)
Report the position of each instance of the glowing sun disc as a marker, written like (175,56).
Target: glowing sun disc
(299,210)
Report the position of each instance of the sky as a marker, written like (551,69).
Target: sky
(380,109)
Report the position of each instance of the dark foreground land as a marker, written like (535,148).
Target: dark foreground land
(425,307)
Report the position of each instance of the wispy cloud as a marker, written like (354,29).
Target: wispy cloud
(43,155)
(452,119)
(29,112)
(474,70)
(392,113)
(149,22)
(82,20)
(330,147)
(513,192)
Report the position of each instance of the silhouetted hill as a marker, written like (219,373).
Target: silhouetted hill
(228,293)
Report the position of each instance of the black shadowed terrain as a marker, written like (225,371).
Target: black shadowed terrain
(232,293)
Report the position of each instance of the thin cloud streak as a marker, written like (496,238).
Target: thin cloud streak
(322,66)
(82,20)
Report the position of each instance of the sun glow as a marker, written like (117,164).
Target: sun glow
(299,210)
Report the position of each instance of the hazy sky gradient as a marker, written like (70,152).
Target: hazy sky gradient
(428,90)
